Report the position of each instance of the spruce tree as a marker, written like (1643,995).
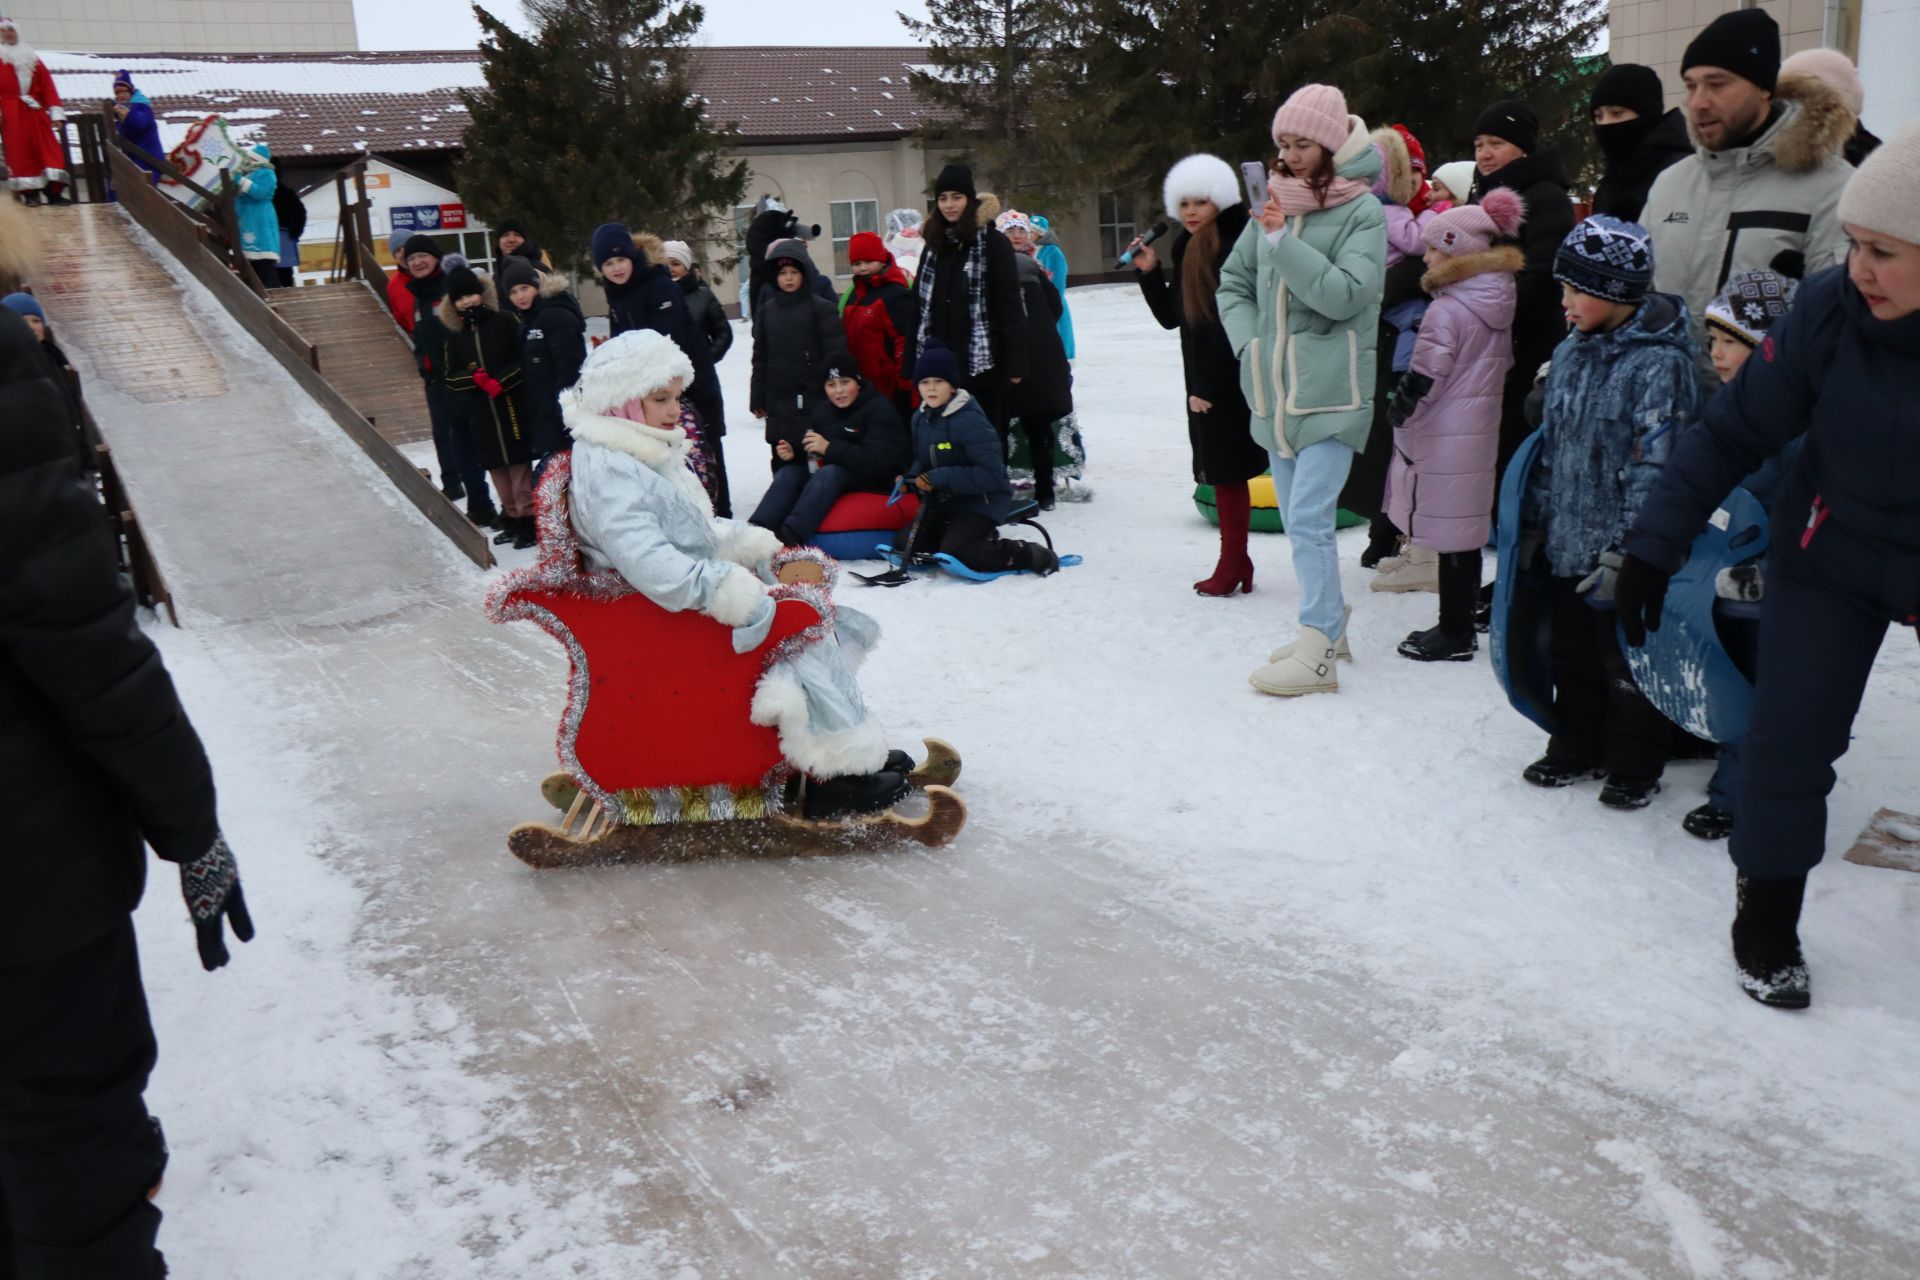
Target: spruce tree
(593,119)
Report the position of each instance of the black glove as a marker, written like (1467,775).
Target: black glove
(211,885)
(1640,597)
(1406,397)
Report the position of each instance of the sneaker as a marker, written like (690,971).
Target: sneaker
(1435,645)
(860,793)
(1708,823)
(1629,793)
(1548,772)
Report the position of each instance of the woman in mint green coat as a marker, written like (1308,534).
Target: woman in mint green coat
(1300,301)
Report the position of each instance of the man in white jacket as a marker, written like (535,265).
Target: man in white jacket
(1762,190)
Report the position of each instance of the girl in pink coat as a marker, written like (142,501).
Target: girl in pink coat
(1446,410)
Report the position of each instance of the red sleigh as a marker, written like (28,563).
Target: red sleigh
(659,756)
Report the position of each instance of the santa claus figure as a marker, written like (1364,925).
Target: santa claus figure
(30,111)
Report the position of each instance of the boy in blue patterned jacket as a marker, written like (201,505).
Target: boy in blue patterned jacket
(1621,388)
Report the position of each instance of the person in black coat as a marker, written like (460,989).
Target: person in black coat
(1507,152)
(553,346)
(1045,395)
(460,476)
(97,761)
(641,294)
(512,239)
(958,250)
(856,444)
(709,316)
(290,211)
(1205,197)
(1638,137)
(796,337)
(483,371)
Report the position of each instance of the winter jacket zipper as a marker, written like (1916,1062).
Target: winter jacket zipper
(1816,516)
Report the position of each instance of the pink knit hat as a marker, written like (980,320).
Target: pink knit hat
(1832,68)
(1472,228)
(1316,111)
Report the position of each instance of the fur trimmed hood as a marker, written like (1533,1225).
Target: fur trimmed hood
(452,319)
(1815,124)
(555,283)
(662,448)
(1200,177)
(1502,258)
(623,368)
(653,247)
(1397,182)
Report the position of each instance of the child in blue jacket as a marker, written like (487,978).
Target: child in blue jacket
(959,469)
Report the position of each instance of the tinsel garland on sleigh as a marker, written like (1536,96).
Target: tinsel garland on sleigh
(560,569)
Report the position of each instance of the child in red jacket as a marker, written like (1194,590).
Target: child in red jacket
(881,311)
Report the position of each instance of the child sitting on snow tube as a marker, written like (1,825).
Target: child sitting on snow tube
(638,509)
(856,444)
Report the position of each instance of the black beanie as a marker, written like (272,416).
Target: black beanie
(421,244)
(1743,41)
(515,270)
(1632,86)
(462,282)
(955,177)
(1513,120)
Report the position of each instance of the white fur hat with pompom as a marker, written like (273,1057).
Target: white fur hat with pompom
(1201,177)
(626,367)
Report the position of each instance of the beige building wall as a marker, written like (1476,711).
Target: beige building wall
(188,26)
(1656,33)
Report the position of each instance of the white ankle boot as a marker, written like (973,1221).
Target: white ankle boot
(1340,649)
(1308,669)
(1419,571)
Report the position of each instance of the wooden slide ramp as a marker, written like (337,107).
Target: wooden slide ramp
(362,353)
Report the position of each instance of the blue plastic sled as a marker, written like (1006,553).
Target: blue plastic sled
(1521,635)
(1684,668)
(949,565)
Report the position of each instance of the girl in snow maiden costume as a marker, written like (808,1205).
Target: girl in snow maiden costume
(639,510)
(259,225)
(1300,299)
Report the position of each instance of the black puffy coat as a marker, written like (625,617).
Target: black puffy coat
(429,335)
(651,299)
(795,337)
(1045,394)
(1623,188)
(1224,450)
(488,344)
(942,288)
(867,438)
(1539,322)
(553,346)
(97,756)
(709,317)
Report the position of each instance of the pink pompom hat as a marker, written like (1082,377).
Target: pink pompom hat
(1472,228)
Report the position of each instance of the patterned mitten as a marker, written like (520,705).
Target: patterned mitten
(211,885)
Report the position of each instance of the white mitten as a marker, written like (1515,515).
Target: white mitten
(745,544)
(739,599)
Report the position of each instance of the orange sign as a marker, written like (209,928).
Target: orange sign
(379,180)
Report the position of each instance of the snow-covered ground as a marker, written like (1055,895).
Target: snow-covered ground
(1213,985)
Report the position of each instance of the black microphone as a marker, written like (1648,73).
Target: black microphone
(1154,232)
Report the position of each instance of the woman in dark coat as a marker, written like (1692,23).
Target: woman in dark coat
(1045,395)
(483,370)
(709,317)
(1637,135)
(985,326)
(796,336)
(1203,192)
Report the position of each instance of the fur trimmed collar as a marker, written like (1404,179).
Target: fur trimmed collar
(554,283)
(1815,124)
(1502,258)
(661,448)
(452,319)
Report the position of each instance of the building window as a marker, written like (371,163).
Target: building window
(1117,225)
(850,218)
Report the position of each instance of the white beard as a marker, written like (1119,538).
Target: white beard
(22,58)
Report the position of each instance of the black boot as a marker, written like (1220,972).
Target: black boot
(1548,772)
(524,535)
(1038,558)
(509,530)
(1629,793)
(1766,941)
(1453,640)
(899,762)
(861,793)
(1435,645)
(1709,822)
(1383,540)
(487,517)
(453,490)
(1483,610)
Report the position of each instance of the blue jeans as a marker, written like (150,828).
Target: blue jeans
(800,499)
(1307,488)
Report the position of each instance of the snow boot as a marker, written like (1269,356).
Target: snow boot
(1629,793)
(524,534)
(1435,645)
(1340,649)
(1766,941)
(1453,640)
(1383,540)
(1708,822)
(509,530)
(857,793)
(1307,669)
(487,517)
(1038,559)
(1551,773)
(1419,571)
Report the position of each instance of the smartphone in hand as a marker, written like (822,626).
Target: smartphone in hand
(1254,174)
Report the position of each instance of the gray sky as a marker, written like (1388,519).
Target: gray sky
(449,24)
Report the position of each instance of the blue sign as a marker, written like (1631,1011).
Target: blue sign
(414,217)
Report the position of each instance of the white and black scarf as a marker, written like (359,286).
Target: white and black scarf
(979,344)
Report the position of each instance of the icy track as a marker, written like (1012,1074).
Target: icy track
(1214,985)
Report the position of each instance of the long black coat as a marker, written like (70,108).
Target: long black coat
(1046,393)
(553,346)
(1622,192)
(97,756)
(429,335)
(1539,323)
(708,316)
(651,299)
(497,425)
(1224,450)
(795,337)
(951,317)
(867,438)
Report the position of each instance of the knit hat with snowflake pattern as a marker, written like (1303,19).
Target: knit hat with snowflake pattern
(1750,304)
(1608,258)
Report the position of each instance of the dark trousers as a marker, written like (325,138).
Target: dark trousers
(800,498)
(1040,444)
(1604,718)
(1816,650)
(991,391)
(972,539)
(78,1152)
(453,448)
(1741,636)
(713,423)
(1459,592)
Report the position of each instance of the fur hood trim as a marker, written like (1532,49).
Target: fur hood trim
(452,319)
(1401,182)
(1503,258)
(1821,130)
(989,209)
(653,246)
(625,368)
(1200,177)
(555,283)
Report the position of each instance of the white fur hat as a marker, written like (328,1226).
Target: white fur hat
(625,368)
(1201,177)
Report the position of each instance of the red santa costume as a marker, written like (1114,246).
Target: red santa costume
(29,111)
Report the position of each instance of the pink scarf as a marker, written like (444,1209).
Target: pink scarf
(1297,198)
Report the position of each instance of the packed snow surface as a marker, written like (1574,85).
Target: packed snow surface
(1212,985)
